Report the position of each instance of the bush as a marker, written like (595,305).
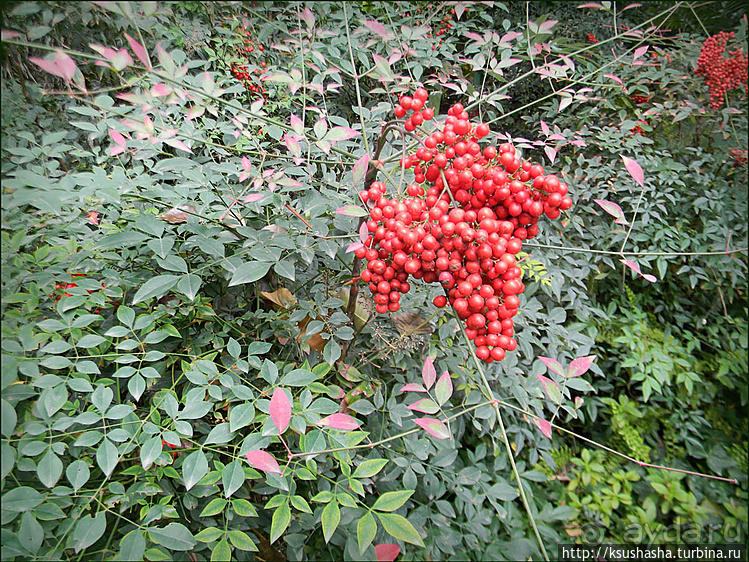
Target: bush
(191,366)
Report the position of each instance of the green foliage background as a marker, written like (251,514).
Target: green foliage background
(130,400)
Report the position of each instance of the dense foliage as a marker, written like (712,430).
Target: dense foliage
(193,364)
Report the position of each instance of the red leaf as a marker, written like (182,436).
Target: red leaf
(342,422)
(615,79)
(544,426)
(594,5)
(553,365)
(387,552)
(546,382)
(178,144)
(47,65)
(545,128)
(413,387)
(253,197)
(363,232)
(634,170)
(66,65)
(429,373)
(139,51)
(160,89)
(434,427)
(263,461)
(280,410)
(580,366)
(639,52)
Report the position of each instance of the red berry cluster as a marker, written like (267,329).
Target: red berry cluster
(739,157)
(592,38)
(721,73)
(242,72)
(464,221)
(637,130)
(62,288)
(639,99)
(443,26)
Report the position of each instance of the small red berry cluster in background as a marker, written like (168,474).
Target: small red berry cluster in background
(467,213)
(242,72)
(639,99)
(739,157)
(61,290)
(592,38)
(443,26)
(637,130)
(721,73)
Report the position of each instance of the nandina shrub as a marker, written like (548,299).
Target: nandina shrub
(213,386)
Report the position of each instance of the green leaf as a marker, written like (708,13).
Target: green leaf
(107,456)
(301,504)
(390,501)
(31,533)
(249,272)
(155,287)
(7,459)
(214,507)
(242,541)
(174,536)
(232,478)
(49,469)
(150,451)
(243,508)
(241,416)
(88,531)
(21,499)
(298,377)
(194,468)
(280,521)
(332,352)
(89,341)
(366,530)
(221,552)
(189,285)
(285,268)
(53,399)
(132,546)
(8,418)
(208,534)
(331,517)
(219,435)
(399,527)
(369,468)
(77,474)
(57,346)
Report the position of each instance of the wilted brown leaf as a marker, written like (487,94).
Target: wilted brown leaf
(411,324)
(177,215)
(281,298)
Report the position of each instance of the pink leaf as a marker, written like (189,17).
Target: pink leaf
(342,422)
(444,388)
(547,383)
(160,89)
(340,133)
(9,35)
(246,163)
(594,5)
(564,102)
(545,128)
(630,6)
(428,373)
(510,36)
(360,168)
(580,366)
(413,387)
(634,170)
(551,153)
(636,268)
(66,65)
(115,150)
(377,28)
(553,365)
(280,410)
(118,138)
(614,78)
(253,197)
(578,401)
(353,247)
(544,426)
(308,17)
(292,143)
(178,144)
(46,65)
(297,125)
(546,26)
(387,552)
(351,211)
(363,232)
(139,51)
(613,209)
(263,461)
(425,406)
(433,427)
(121,59)
(639,52)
